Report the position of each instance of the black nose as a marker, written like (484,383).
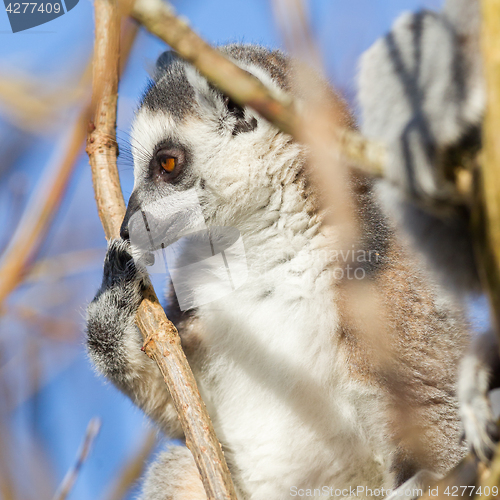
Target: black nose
(133,206)
(124,234)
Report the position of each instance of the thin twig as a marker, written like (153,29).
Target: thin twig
(7,485)
(54,328)
(486,214)
(162,341)
(319,127)
(486,221)
(72,475)
(22,103)
(61,360)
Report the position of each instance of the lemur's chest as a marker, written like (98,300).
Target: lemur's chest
(278,389)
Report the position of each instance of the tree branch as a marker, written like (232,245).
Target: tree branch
(71,476)
(486,221)
(162,341)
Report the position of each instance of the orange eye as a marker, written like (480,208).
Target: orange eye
(168,164)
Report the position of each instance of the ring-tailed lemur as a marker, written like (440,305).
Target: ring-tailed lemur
(421,91)
(287,369)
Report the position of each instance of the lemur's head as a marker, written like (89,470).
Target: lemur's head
(189,137)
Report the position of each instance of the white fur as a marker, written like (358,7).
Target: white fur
(280,397)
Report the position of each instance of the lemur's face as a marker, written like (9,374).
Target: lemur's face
(189,138)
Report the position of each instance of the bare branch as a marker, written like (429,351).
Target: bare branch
(324,116)
(7,486)
(71,476)
(58,329)
(162,342)
(32,109)
(486,221)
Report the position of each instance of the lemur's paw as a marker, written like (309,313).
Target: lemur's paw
(480,429)
(119,266)
(122,287)
(111,315)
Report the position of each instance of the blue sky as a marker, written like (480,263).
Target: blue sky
(55,53)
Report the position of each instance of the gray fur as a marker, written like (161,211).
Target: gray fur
(421,93)
(170,89)
(182,482)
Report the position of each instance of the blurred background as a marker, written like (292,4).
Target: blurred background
(48,390)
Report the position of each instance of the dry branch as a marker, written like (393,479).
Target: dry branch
(59,329)
(319,127)
(486,214)
(487,217)
(7,485)
(162,342)
(72,475)
(34,103)
(65,264)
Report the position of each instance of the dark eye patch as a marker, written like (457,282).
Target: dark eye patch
(168,162)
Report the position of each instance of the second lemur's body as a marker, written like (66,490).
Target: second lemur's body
(422,93)
(306,389)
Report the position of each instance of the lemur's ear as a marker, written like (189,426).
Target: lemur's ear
(165,59)
(163,62)
(243,123)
